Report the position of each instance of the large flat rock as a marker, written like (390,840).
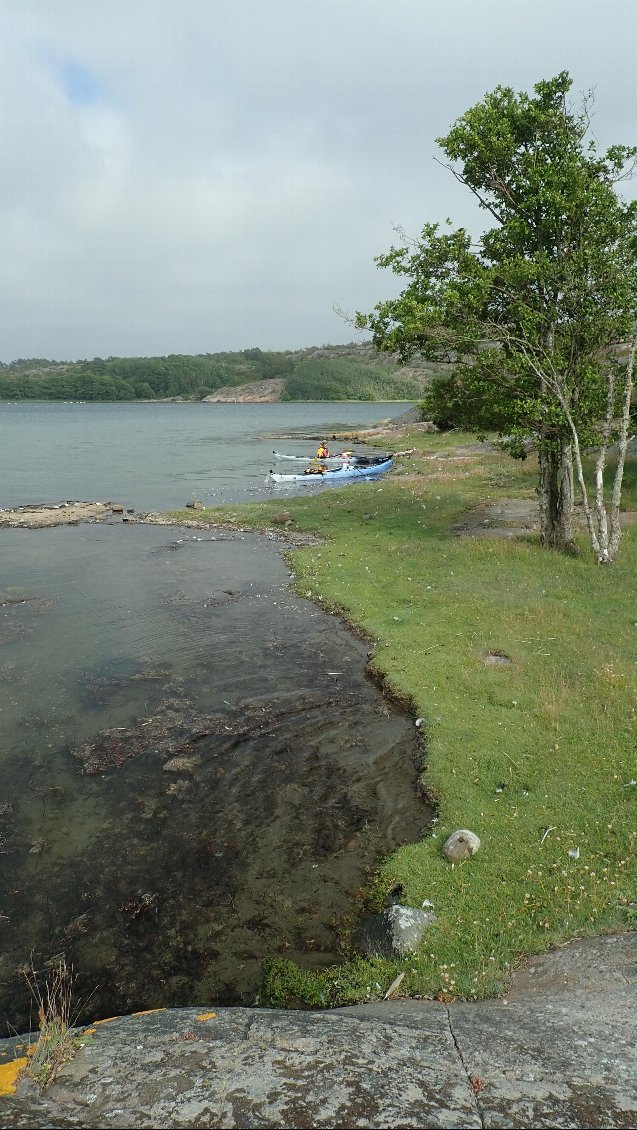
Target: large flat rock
(559,1051)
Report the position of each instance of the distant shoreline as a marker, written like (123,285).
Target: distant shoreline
(182,400)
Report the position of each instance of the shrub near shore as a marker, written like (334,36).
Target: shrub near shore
(535,755)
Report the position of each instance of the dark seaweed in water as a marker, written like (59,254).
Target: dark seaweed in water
(18,613)
(167,857)
(230,838)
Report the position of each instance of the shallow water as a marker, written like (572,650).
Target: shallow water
(196,773)
(159,456)
(198,779)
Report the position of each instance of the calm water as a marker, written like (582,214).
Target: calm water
(157,456)
(196,774)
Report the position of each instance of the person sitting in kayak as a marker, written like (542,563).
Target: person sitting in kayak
(323,451)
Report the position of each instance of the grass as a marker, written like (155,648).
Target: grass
(56,1042)
(536,756)
(629,482)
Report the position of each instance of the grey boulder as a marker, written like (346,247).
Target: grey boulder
(394,932)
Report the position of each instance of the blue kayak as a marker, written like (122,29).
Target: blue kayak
(340,474)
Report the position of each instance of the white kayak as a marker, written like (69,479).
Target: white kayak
(330,460)
(338,474)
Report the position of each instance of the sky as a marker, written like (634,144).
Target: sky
(194,176)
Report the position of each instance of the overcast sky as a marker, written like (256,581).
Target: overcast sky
(190,176)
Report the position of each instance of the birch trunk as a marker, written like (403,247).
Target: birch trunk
(605,534)
(615,526)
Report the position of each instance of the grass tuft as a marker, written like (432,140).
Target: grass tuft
(56,1042)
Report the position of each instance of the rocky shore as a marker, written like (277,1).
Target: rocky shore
(558,1051)
(59,514)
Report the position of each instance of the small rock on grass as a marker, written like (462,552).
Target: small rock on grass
(394,932)
(461,845)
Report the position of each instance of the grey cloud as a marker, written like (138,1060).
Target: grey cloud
(185,177)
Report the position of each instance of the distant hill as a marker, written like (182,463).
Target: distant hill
(329,372)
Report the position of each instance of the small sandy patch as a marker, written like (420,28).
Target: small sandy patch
(61,514)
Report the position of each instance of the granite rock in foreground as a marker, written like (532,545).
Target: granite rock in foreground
(560,1051)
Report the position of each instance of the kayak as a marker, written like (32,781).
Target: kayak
(338,460)
(330,460)
(338,474)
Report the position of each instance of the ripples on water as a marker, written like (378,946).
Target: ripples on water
(158,456)
(197,774)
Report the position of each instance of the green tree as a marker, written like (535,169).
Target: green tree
(534,314)
(143,390)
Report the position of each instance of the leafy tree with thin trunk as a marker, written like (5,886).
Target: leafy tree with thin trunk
(540,316)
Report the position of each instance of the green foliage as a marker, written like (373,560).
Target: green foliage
(72,385)
(333,378)
(550,289)
(285,985)
(340,373)
(535,315)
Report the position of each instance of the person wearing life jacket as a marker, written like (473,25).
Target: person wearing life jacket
(323,451)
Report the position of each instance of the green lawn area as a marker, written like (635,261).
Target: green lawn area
(536,756)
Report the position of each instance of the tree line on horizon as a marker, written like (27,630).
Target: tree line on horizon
(332,373)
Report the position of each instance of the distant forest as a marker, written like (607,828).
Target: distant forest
(347,372)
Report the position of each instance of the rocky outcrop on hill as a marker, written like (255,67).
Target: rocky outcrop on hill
(257,392)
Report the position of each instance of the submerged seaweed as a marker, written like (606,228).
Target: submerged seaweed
(219,795)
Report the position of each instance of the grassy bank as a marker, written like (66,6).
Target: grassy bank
(535,755)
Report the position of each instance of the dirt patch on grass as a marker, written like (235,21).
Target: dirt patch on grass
(438,476)
(508,518)
(516,517)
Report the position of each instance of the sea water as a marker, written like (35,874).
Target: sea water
(196,772)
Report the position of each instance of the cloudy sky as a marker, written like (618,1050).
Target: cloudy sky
(190,176)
